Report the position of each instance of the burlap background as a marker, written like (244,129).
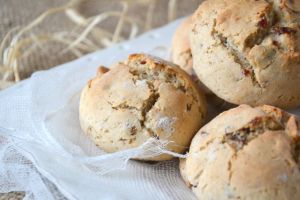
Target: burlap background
(20,12)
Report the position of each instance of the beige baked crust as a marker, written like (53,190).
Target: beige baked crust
(140,98)
(181,50)
(182,55)
(246,153)
(247,51)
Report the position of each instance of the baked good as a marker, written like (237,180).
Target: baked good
(247,51)
(246,153)
(143,97)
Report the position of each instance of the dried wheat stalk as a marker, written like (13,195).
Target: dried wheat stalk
(76,41)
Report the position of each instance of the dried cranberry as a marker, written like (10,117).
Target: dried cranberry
(246,72)
(263,23)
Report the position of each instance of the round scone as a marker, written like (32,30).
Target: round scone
(246,153)
(247,51)
(143,97)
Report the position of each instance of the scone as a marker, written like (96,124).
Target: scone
(143,97)
(247,51)
(246,154)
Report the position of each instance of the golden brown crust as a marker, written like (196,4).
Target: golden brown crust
(102,70)
(141,98)
(246,153)
(247,51)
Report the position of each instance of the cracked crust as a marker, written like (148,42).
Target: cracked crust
(246,153)
(140,98)
(247,51)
